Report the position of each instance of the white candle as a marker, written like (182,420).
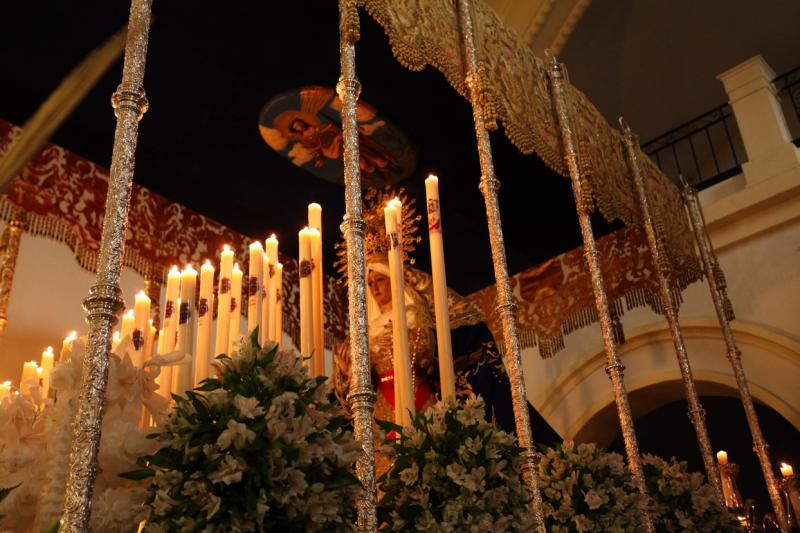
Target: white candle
(5,390)
(46,365)
(141,328)
(115,340)
(315,216)
(224,300)
(127,327)
(202,356)
(164,378)
(317,288)
(279,304)
(722,457)
(271,247)
(182,374)
(786,470)
(66,345)
(171,309)
(253,289)
(30,377)
(402,358)
(443,339)
(263,330)
(234,331)
(151,341)
(306,309)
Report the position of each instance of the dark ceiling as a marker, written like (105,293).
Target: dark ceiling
(209,72)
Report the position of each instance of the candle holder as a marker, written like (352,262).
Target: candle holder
(790,490)
(730,491)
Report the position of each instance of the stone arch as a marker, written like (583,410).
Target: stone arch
(581,403)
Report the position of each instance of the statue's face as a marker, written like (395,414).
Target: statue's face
(380,288)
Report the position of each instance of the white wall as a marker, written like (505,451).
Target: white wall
(763,273)
(45,304)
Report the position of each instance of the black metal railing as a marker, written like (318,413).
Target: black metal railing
(788,88)
(708,149)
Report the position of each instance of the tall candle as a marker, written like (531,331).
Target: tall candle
(263,331)
(254,286)
(171,311)
(30,377)
(443,339)
(141,328)
(224,300)
(182,374)
(317,287)
(306,309)
(786,470)
(722,457)
(279,304)
(402,357)
(164,378)
(271,247)
(5,390)
(46,364)
(202,355)
(234,328)
(151,341)
(127,327)
(66,345)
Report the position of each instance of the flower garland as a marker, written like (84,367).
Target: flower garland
(453,471)
(259,448)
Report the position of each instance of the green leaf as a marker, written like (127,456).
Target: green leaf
(178,398)
(7,490)
(136,475)
(209,385)
(254,338)
(388,426)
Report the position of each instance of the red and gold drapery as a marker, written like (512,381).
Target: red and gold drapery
(64,195)
(555,297)
(516,92)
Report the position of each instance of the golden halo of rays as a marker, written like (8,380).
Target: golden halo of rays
(373,202)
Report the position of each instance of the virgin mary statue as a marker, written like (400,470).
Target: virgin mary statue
(478,365)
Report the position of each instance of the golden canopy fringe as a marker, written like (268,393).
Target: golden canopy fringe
(555,298)
(63,196)
(516,92)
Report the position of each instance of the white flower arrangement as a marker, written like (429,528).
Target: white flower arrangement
(35,440)
(681,500)
(453,471)
(585,488)
(261,448)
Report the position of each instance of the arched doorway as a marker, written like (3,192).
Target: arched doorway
(667,431)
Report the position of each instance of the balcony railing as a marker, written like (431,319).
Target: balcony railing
(788,87)
(708,149)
